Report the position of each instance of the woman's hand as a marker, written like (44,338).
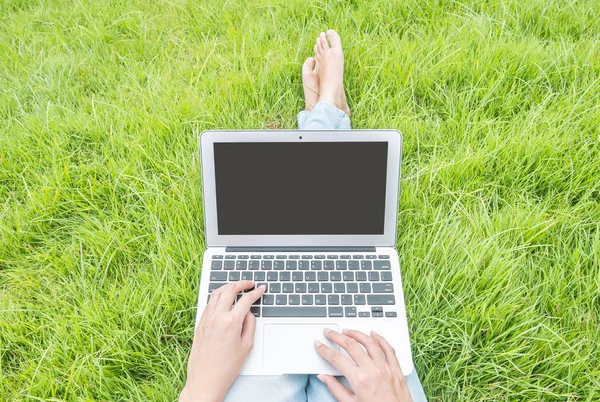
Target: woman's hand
(222,341)
(374,372)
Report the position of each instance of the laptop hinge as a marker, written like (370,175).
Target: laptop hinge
(299,249)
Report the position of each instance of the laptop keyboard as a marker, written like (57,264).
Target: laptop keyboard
(312,285)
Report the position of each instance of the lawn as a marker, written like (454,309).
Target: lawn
(101,225)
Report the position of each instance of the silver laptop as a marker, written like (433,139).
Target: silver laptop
(313,215)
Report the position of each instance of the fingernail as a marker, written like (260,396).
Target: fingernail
(263,287)
(373,333)
(320,377)
(317,344)
(326,331)
(345,331)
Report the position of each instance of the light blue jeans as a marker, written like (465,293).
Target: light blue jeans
(302,387)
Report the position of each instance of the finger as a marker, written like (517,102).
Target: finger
(370,344)
(243,305)
(356,352)
(336,388)
(228,294)
(337,360)
(248,329)
(390,353)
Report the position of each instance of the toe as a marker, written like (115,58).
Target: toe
(323,41)
(334,39)
(308,66)
(317,52)
(319,46)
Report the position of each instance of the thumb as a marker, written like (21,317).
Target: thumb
(336,388)
(248,329)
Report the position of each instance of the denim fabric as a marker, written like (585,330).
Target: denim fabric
(302,387)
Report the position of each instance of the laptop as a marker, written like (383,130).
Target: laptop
(313,215)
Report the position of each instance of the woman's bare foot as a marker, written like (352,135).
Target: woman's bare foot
(310,82)
(330,68)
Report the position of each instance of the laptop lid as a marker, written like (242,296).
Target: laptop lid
(326,188)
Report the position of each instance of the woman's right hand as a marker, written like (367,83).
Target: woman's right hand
(373,373)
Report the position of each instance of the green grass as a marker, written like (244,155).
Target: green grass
(101,226)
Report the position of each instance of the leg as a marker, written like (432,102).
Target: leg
(318,392)
(254,388)
(323,81)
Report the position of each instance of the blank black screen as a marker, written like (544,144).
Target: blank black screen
(300,188)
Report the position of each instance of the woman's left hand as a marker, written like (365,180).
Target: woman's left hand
(222,341)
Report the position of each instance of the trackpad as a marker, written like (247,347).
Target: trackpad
(290,348)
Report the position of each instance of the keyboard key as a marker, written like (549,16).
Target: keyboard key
(323,276)
(365,265)
(291,265)
(333,299)
(268,300)
(373,276)
(381,300)
(391,314)
(313,288)
(298,276)
(341,265)
(339,288)
(218,276)
(268,257)
(274,287)
(281,300)
(377,309)
(282,257)
(371,257)
(350,311)
(266,265)
(359,300)
(229,265)
(377,315)
(345,256)
(300,288)
(364,314)
(255,311)
(272,276)
(346,300)
(303,265)
(316,265)
(361,276)
(353,265)
(307,257)
(326,288)
(217,257)
(234,276)
(266,285)
(358,257)
(365,288)
(294,300)
(320,257)
(310,276)
(253,265)
(332,257)
(294,311)
(287,287)
(216,265)
(294,257)
(352,287)
(284,276)
(255,257)
(230,257)
(259,276)
(256,302)
(382,265)
(279,265)
(328,265)
(242,257)
(307,299)
(335,276)
(214,286)
(336,312)
(384,257)
(383,288)
(348,276)
(320,299)
(386,276)
(246,276)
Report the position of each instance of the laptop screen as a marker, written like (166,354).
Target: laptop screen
(300,188)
